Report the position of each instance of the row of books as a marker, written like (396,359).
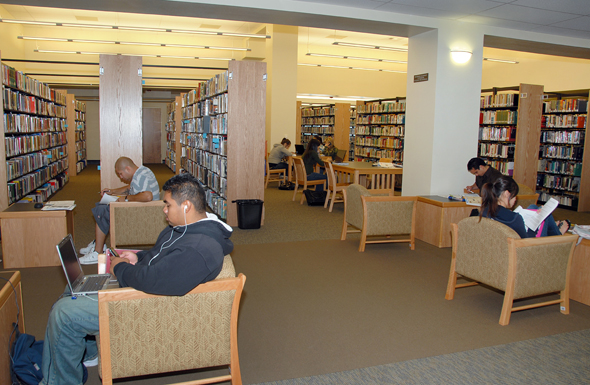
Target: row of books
(317,111)
(210,179)
(377,107)
(213,106)
(496,150)
(317,129)
(171,163)
(80,136)
(506,167)
(19,81)
(80,155)
(170,153)
(561,152)
(43,193)
(318,120)
(213,143)
(80,146)
(563,121)
(501,134)
(381,119)
(80,126)
(307,136)
(21,165)
(559,182)
(18,145)
(79,106)
(565,137)
(384,142)
(560,167)
(23,123)
(81,165)
(371,152)
(498,100)
(170,126)
(217,203)
(20,102)
(80,115)
(564,200)
(214,86)
(213,162)
(498,117)
(566,105)
(20,187)
(380,130)
(206,124)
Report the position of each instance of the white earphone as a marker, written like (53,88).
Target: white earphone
(185,208)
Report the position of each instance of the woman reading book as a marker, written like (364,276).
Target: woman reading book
(497,200)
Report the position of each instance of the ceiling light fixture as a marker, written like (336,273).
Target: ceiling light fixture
(460,56)
(369,46)
(140,29)
(350,68)
(67,40)
(331,97)
(132,54)
(500,60)
(355,58)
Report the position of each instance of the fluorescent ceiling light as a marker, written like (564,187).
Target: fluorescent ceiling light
(332,97)
(131,43)
(350,68)
(369,46)
(141,29)
(132,54)
(500,60)
(356,58)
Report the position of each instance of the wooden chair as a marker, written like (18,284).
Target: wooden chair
(334,188)
(491,253)
(378,216)
(142,334)
(301,179)
(125,217)
(278,175)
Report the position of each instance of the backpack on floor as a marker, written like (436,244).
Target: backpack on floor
(26,355)
(315,198)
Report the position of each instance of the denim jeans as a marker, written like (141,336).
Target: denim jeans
(317,176)
(67,339)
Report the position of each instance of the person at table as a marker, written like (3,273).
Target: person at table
(278,153)
(483,172)
(497,200)
(311,158)
(330,149)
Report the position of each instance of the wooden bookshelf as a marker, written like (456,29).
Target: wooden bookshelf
(564,168)
(380,130)
(35,138)
(330,121)
(352,133)
(76,128)
(222,137)
(171,141)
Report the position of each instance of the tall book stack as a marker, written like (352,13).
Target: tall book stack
(317,120)
(171,136)
(80,121)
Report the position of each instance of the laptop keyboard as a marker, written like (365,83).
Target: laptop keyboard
(94,283)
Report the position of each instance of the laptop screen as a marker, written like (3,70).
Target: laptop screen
(299,149)
(69,260)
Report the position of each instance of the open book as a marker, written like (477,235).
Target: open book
(59,205)
(106,199)
(532,218)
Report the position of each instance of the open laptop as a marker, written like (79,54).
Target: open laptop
(79,283)
(299,149)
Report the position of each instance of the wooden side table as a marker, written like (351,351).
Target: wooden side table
(8,313)
(29,235)
(434,215)
(580,273)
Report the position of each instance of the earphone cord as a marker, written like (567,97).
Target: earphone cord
(171,234)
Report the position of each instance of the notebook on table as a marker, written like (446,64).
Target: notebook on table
(78,282)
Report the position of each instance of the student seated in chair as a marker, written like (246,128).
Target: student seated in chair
(310,159)
(142,187)
(187,253)
(278,155)
(483,172)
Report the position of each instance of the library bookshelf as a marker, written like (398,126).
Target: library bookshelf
(222,136)
(564,168)
(171,140)
(35,138)
(352,134)
(76,129)
(331,121)
(380,130)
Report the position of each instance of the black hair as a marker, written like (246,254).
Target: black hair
(311,147)
(490,193)
(475,163)
(318,138)
(286,141)
(184,187)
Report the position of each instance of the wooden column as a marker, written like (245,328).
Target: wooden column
(120,114)
(342,126)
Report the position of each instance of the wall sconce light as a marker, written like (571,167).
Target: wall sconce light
(460,56)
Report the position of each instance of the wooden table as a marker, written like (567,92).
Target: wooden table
(8,313)
(29,235)
(356,172)
(434,215)
(580,273)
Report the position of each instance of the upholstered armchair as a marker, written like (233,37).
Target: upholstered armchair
(136,223)
(526,196)
(142,334)
(491,253)
(378,216)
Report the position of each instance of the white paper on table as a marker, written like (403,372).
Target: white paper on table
(106,199)
(533,219)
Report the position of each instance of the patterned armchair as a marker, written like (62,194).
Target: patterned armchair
(142,334)
(492,253)
(378,216)
(124,219)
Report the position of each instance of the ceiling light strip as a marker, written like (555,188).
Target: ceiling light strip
(369,46)
(132,54)
(350,68)
(356,58)
(500,60)
(141,29)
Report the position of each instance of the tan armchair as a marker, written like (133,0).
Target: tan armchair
(378,216)
(136,223)
(491,253)
(142,334)
(526,196)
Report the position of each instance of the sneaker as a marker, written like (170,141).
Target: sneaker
(91,363)
(90,258)
(90,247)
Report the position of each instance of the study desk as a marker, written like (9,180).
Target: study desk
(580,273)
(29,235)
(434,215)
(8,314)
(356,172)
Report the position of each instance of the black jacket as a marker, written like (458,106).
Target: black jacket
(180,260)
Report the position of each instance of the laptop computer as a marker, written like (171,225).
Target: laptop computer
(79,283)
(299,149)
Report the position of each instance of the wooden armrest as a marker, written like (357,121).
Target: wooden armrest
(553,240)
(136,204)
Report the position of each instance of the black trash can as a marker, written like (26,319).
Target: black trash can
(249,213)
